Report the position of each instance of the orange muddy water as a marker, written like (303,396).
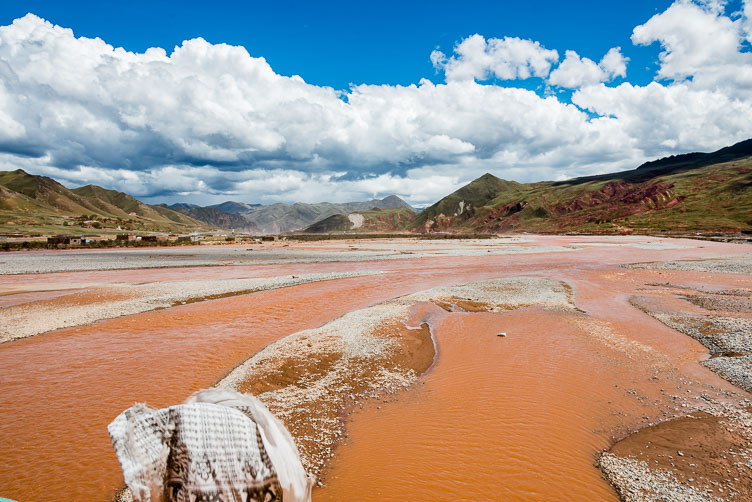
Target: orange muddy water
(516,418)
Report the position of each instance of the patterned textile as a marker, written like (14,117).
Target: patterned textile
(209,449)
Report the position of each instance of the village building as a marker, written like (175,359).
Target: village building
(64,239)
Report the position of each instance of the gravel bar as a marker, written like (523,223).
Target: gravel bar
(38,262)
(741,264)
(737,370)
(349,359)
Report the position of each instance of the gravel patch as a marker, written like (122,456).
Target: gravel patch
(722,303)
(504,294)
(704,455)
(31,319)
(720,335)
(635,481)
(654,245)
(733,265)
(348,360)
(744,293)
(737,370)
(72,261)
(422,245)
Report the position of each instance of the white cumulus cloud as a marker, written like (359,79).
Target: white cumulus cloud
(508,58)
(576,72)
(701,44)
(210,122)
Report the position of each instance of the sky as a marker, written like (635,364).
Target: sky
(265,102)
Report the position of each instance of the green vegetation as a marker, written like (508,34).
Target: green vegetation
(39,205)
(687,193)
(462,204)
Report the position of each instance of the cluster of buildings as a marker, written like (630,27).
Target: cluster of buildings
(76,240)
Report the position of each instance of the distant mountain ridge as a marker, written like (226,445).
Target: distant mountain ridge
(235,207)
(216,217)
(280,218)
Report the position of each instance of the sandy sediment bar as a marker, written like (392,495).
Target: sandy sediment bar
(29,319)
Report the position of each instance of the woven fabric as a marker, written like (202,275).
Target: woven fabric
(202,451)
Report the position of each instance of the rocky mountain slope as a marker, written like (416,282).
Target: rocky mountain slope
(376,220)
(280,218)
(217,217)
(235,207)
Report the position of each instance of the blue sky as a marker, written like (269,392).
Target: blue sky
(342,42)
(412,98)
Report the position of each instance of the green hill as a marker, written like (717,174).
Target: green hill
(38,204)
(697,192)
(461,206)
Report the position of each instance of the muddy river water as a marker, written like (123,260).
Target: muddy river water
(520,417)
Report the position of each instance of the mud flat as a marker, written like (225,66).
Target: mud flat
(703,456)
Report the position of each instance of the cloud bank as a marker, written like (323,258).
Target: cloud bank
(210,122)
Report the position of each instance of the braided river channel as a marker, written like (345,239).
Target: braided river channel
(516,417)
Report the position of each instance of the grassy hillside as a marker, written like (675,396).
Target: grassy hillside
(38,204)
(699,192)
(460,207)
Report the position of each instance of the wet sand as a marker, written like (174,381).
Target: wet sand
(548,398)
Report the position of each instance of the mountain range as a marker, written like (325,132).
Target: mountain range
(279,218)
(694,192)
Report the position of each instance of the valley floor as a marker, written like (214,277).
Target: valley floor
(519,368)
